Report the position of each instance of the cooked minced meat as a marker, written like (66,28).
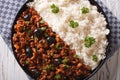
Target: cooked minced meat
(42,52)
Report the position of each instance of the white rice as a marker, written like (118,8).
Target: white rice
(91,24)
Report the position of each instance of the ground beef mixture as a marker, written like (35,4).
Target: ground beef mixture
(42,52)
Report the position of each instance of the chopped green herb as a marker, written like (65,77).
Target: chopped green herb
(58,47)
(88,41)
(67,66)
(85,10)
(49,67)
(52,53)
(95,58)
(54,8)
(28,22)
(32,37)
(36,38)
(24,28)
(57,76)
(29,31)
(64,61)
(73,24)
(46,35)
(42,21)
(75,56)
(27,62)
(43,28)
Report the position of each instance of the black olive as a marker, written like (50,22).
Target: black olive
(38,33)
(51,40)
(81,77)
(35,73)
(29,52)
(27,17)
(57,61)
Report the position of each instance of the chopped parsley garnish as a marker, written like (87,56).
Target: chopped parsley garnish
(27,22)
(73,24)
(32,37)
(85,10)
(58,46)
(52,53)
(27,62)
(54,8)
(46,35)
(24,28)
(42,21)
(64,61)
(36,38)
(29,30)
(95,58)
(43,28)
(49,67)
(75,56)
(67,66)
(57,76)
(89,41)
